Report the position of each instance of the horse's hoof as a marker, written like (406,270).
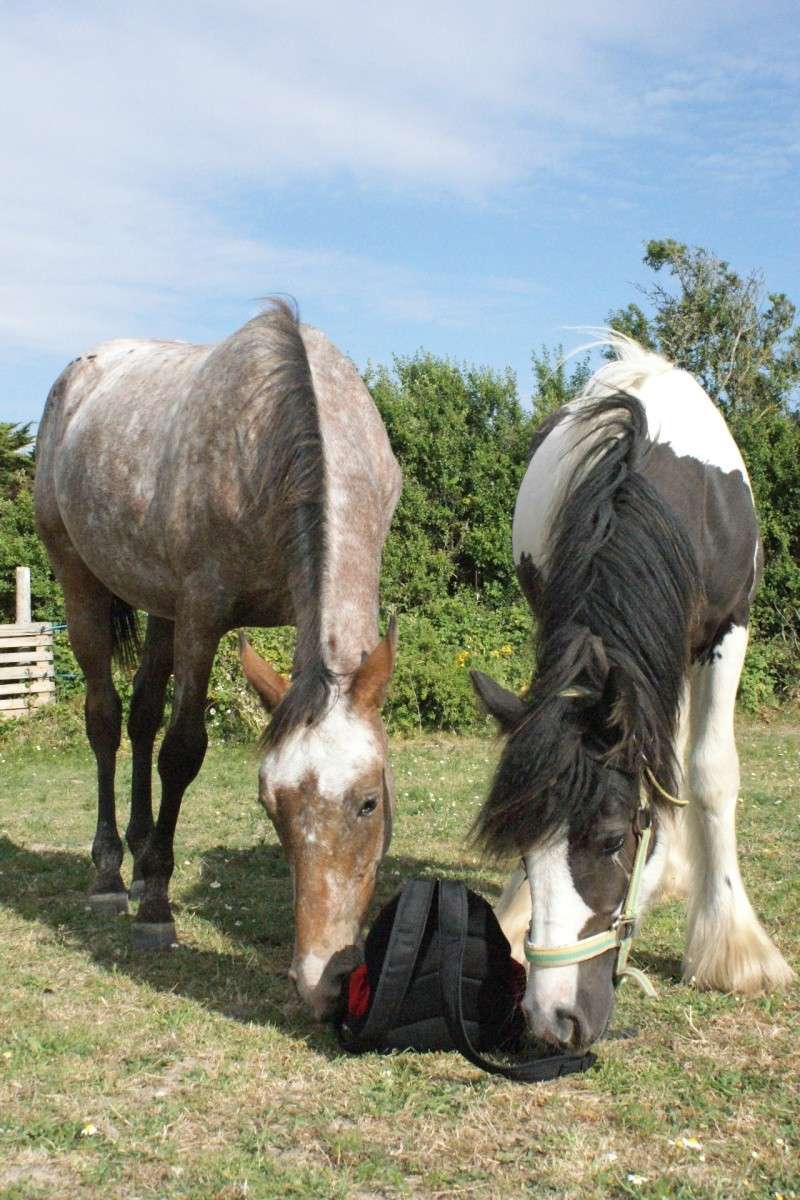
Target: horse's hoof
(108,904)
(152,936)
(136,890)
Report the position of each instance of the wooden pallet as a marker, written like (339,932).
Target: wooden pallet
(26,668)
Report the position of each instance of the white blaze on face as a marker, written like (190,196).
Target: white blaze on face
(338,750)
(308,970)
(558,914)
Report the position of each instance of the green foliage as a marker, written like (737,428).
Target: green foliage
(554,384)
(462,438)
(741,344)
(233,712)
(744,347)
(440,645)
(16,461)
(20,546)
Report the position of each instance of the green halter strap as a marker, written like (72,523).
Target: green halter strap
(620,936)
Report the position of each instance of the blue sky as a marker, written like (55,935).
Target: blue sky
(463,177)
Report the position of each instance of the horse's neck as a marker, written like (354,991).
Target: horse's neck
(362,483)
(349,610)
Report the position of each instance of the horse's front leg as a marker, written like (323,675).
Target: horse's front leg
(676,878)
(180,758)
(726,946)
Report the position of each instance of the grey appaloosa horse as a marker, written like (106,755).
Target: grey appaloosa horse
(245,483)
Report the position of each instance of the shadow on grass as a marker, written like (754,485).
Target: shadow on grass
(245,894)
(666,967)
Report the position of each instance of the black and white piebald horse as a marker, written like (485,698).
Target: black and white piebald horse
(637,547)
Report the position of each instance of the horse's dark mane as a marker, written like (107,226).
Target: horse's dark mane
(620,593)
(291,474)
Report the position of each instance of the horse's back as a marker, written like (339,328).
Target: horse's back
(153,458)
(693,463)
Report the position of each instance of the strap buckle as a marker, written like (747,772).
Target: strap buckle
(624,928)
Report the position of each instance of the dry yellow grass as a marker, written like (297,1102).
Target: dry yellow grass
(195,1074)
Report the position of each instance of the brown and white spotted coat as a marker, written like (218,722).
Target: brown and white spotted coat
(245,483)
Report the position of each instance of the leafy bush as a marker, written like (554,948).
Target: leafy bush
(462,439)
(437,649)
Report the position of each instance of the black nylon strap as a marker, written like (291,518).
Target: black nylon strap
(453,915)
(401,958)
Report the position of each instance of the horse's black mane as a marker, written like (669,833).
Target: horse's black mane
(617,603)
(291,472)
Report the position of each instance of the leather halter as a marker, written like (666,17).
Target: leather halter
(620,936)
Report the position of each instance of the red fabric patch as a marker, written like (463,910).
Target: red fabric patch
(518,980)
(358,993)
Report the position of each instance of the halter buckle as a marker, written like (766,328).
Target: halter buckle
(624,927)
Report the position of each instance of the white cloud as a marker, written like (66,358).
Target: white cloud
(130,128)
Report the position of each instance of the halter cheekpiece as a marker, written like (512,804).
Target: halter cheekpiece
(620,935)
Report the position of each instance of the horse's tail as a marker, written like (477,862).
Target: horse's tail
(622,589)
(126,640)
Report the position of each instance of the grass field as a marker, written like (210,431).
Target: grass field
(196,1075)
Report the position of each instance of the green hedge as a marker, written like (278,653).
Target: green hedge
(462,439)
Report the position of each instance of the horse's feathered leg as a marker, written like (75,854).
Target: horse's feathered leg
(180,758)
(726,946)
(147,711)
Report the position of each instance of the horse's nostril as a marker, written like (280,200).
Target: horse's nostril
(570,1029)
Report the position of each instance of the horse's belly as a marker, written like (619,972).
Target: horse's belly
(127,566)
(110,478)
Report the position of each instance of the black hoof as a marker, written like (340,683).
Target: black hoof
(161,936)
(136,890)
(108,904)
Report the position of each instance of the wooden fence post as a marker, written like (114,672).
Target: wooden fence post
(23,595)
(27,675)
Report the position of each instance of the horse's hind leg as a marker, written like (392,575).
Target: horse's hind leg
(726,946)
(179,759)
(88,606)
(147,710)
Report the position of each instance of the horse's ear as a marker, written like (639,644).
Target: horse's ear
(264,679)
(506,707)
(371,680)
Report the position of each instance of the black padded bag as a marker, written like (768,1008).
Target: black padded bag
(441,977)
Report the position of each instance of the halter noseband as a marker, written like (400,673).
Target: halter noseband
(620,936)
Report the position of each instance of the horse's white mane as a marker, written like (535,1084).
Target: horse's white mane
(625,373)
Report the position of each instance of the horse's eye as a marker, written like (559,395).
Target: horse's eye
(369,806)
(613,845)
